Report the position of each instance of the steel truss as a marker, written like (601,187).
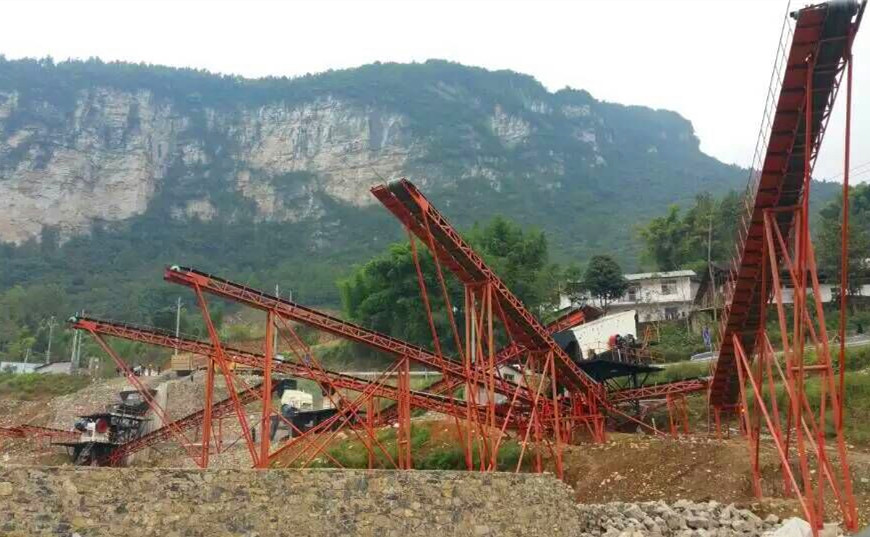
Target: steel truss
(774,249)
(336,382)
(490,430)
(543,410)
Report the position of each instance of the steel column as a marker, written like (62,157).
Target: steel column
(265,421)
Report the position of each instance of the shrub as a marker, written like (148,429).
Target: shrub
(30,386)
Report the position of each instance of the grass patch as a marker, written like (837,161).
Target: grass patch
(686,370)
(857,405)
(676,342)
(36,386)
(428,453)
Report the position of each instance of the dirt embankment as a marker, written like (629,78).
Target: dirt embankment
(633,468)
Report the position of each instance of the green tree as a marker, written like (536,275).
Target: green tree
(829,237)
(603,280)
(663,238)
(680,239)
(384,293)
(24,316)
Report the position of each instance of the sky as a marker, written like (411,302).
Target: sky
(708,60)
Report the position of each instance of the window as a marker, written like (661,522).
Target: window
(669,287)
(632,294)
(671,314)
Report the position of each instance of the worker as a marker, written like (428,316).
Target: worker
(630,347)
(708,339)
(619,347)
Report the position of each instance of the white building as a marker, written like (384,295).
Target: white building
(18,367)
(655,296)
(828,292)
(509,373)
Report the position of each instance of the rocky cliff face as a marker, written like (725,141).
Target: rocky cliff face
(108,172)
(88,165)
(106,158)
(86,143)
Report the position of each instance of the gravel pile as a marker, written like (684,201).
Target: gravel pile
(680,519)
(61,412)
(187,394)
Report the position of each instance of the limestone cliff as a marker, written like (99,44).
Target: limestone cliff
(82,143)
(106,158)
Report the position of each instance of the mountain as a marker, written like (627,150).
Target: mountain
(108,171)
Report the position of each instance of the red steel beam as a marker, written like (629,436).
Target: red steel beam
(822,33)
(321,321)
(506,354)
(412,208)
(11,432)
(574,318)
(657,391)
(419,399)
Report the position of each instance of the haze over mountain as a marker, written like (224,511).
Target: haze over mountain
(110,171)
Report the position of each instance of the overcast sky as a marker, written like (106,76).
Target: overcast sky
(708,60)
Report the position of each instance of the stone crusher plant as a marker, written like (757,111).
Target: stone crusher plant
(505,376)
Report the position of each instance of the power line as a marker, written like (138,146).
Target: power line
(851,170)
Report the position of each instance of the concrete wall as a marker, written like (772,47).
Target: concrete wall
(322,503)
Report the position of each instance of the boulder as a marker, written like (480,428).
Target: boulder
(793,527)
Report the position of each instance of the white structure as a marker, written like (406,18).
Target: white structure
(297,399)
(508,373)
(659,296)
(656,296)
(18,367)
(594,335)
(827,293)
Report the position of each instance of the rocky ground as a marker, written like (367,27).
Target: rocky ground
(683,519)
(80,502)
(636,468)
(698,476)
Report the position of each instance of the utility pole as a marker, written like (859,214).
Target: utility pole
(72,353)
(78,347)
(275,332)
(51,324)
(710,267)
(177,323)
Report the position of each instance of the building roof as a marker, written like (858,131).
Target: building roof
(667,274)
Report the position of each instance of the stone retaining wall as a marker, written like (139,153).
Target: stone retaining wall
(173,503)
